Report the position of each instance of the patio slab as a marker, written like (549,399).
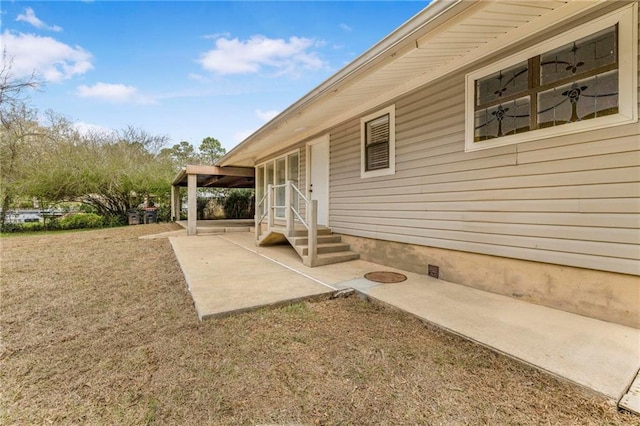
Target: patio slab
(224,278)
(601,356)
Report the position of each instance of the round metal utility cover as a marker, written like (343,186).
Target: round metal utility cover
(385,277)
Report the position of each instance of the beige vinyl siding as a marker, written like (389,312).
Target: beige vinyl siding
(571,200)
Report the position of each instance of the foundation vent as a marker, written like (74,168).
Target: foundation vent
(433,271)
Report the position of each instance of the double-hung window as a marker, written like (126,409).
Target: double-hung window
(377,132)
(584,79)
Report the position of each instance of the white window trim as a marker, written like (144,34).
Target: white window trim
(626,19)
(273,160)
(364,174)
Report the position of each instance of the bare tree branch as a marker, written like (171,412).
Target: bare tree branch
(13,90)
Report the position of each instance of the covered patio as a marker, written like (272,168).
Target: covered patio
(193,177)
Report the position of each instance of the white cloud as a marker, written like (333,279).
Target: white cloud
(109,92)
(217,36)
(233,56)
(116,93)
(197,77)
(92,129)
(345,27)
(266,115)
(30,17)
(52,60)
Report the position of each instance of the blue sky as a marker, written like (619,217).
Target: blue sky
(188,69)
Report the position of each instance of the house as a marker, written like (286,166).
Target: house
(493,144)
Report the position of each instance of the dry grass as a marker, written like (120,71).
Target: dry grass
(98,328)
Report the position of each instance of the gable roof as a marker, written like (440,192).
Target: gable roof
(444,37)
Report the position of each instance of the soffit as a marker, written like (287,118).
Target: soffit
(217,177)
(471,33)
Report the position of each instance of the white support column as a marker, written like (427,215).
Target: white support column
(192,218)
(176,203)
(259,210)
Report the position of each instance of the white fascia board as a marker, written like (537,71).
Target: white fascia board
(421,21)
(415,29)
(562,14)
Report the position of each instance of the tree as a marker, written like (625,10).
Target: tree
(18,131)
(105,172)
(17,134)
(52,161)
(13,91)
(151,143)
(210,150)
(180,154)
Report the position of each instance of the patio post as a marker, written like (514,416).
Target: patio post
(257,219)
(192,216)
(176,203)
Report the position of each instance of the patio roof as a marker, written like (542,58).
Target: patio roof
(217,177)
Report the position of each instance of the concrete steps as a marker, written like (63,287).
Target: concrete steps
(214,230)
(330,247)
(331,258)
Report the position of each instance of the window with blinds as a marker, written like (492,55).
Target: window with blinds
(378,143)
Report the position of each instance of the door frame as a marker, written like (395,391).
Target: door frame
(308,165)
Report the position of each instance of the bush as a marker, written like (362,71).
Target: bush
(12,228)
(164,213)
(75,221)
(112,221)
(239,204)
(81,221)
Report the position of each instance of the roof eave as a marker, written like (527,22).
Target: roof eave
(417,23)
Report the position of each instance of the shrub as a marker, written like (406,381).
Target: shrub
(80,221)
(164,213)
(74,221)
(113,221)
(239,204)
(12,228)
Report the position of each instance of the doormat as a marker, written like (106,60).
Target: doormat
(385,277)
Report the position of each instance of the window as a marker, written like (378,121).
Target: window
(277,172)
(377,132)
(281,179)
(581,80)
(293,165)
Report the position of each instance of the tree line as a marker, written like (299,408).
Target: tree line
(44,157)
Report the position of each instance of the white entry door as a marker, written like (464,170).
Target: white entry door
(318,186)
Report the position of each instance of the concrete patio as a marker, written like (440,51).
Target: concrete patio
(227,273)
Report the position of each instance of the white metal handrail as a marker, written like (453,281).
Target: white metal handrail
(291,213)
